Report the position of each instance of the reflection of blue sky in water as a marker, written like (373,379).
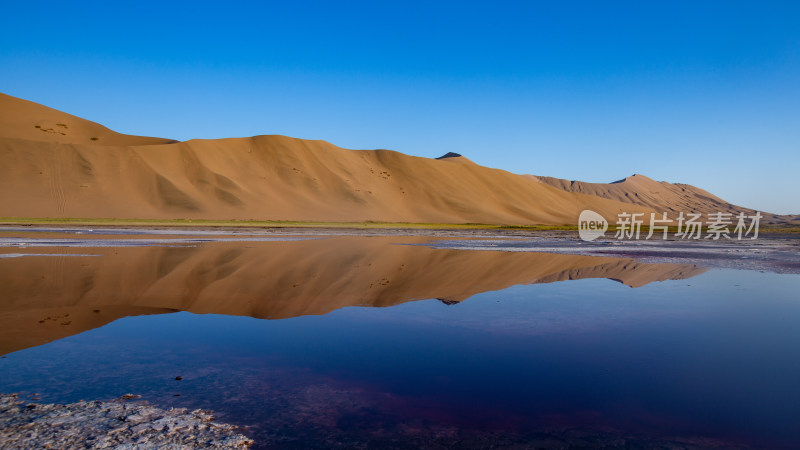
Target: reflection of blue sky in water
(712,356)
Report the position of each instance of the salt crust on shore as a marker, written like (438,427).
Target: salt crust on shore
(119,424)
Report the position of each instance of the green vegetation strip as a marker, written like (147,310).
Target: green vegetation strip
(262,223)
(310,224)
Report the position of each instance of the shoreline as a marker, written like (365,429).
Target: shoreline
(120,422)
(194,224)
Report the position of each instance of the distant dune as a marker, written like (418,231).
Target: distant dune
(58,165)
(658,195)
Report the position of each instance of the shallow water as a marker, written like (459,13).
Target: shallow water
(520,348)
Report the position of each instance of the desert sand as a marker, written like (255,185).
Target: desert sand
(56,165)
(663,196)
(32,121)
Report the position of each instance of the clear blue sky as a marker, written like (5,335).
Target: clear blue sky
(706,93)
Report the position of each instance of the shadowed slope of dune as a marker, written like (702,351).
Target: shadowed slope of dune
(50,297)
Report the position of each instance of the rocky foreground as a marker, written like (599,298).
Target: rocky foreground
(120,423)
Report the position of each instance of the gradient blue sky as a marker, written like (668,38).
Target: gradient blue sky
(706,93)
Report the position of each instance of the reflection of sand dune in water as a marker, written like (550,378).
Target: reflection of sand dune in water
(627,271)
(270,280)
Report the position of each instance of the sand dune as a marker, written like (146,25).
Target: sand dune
(272,178)
(658,195)
(32,121)
(58,165)
(50,297)
(263,177)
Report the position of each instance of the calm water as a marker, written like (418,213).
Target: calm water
(710,360)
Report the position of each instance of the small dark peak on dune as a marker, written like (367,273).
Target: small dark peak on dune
(455,158)
(448,302)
